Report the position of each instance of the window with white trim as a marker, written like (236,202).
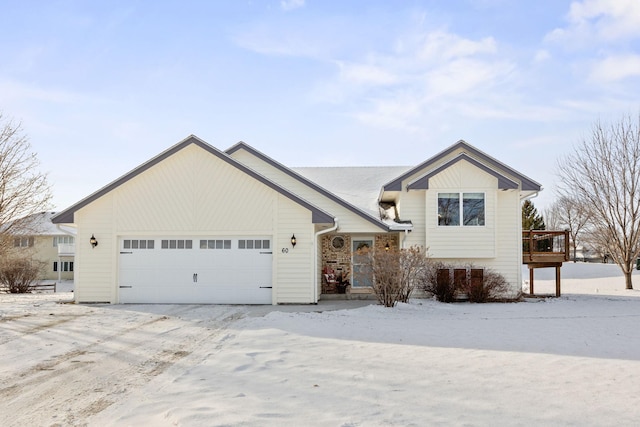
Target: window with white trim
(23,242)
(65,240)
(64,266)
(471,214)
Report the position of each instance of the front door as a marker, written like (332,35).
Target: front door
(362,275)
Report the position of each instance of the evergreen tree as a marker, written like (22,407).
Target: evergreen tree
(531,219)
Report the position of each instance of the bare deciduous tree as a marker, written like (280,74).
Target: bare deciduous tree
(24,190)
(603,175)
(570,214)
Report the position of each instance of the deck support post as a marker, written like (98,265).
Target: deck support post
(558,280)
(531,281)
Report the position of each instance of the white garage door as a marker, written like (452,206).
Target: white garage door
(195,270)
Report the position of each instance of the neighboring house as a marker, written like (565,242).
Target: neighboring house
(199,225)
(52,245)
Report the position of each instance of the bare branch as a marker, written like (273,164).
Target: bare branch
(24,190)
(602,175)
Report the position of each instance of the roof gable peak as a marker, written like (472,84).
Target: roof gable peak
(471,152)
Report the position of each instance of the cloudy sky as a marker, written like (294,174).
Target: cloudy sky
(102,86)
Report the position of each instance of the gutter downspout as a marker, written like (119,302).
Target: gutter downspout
(404,239)
(315,257)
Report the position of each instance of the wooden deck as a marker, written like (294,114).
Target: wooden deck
(545,249)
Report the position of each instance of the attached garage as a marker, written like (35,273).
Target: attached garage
(195,270)
(193,225)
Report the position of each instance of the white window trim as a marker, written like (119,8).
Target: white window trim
(461,209)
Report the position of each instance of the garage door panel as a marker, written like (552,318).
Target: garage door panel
(196,270)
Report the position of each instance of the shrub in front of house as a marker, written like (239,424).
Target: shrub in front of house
(397,272)
(439,282)
(491,286)
(18,275)
(449,283)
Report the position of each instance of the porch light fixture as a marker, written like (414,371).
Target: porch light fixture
(93,241)
(387,247)
(293,240)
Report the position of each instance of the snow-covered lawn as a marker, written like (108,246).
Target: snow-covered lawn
(568,361)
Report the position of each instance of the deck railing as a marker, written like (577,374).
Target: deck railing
(66,249)
(543,246)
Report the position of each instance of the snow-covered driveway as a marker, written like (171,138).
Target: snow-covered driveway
(563,362)
(62,363)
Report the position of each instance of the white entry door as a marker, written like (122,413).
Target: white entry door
(195,270)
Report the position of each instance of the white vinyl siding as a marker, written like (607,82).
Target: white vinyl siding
(294,266)
(348,219)
(462,242)
(192,193)
(95,275)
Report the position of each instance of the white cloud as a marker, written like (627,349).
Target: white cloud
(443,45)
(541,55)
(599,20)
(291,4)
(615,68)
(365,74)
(439,68)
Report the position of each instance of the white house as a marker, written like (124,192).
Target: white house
(199,225)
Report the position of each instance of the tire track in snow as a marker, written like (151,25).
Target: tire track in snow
(69,388)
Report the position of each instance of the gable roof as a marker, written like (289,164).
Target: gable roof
(319,216)
(37,224)
(422,183)
(290,172)
(488,163)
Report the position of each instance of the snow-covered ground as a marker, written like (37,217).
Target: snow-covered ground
(572,361)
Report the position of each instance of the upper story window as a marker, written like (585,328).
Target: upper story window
(23,242)
(63,240)
(465,209)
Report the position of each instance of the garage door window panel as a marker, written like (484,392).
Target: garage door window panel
(137,244)
(254,244)
(176,244)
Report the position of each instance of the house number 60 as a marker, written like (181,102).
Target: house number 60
(285,250)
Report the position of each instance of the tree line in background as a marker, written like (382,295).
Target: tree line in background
(599,196)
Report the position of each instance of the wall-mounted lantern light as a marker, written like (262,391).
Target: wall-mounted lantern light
(93,241)
(293,241)
(387,247)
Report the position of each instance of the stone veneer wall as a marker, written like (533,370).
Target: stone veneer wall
(340,259)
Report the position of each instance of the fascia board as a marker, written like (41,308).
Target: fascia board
(526,183)
(422,183)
